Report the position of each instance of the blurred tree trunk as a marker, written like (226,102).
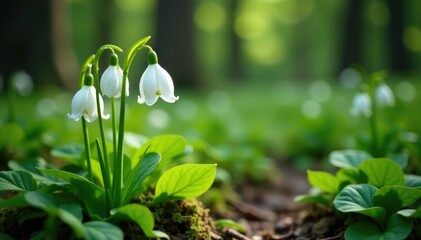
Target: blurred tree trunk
(174,40)
(235,71)
(26,43)
(399,56)
(63,53)
(351,41)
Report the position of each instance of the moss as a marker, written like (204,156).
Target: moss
(10,223)
(182,219)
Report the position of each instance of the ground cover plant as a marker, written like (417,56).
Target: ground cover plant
(94,196)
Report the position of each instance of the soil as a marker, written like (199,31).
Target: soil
(268,211)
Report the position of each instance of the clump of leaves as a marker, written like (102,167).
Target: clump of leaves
(374,187)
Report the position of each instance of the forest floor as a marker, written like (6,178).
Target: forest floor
(268,211)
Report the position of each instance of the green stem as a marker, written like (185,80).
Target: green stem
(107,182)
(114,123)
(87,149)
(118,164)
(373,123)
(106,172)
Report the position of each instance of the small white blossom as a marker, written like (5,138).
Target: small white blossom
(84,104)
(111,80)
(384,95)
(361,104)
(155,82)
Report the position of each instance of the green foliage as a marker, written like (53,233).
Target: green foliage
(184,182)
(374,187)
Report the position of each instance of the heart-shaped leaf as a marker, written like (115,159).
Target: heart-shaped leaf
(383,172)
(397,228)
(139,214)
(138,175)
(324,181)
(348,158)
(394,198)
(184,182)
(358,199)
(20,181)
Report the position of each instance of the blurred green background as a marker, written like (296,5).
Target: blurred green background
(256,78)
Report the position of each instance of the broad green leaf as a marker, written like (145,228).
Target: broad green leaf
(138,175)
(358,199)
(398,228)
(71,153)
(350,176)
(184,182)
(383,172)
(416,213)
(324,181)
(41,200)
(31,167)
(139,214)
(394,198)
(101,230)
(169,146)
(412,181)
(91,230)
(400,159)
(20,181)
(91,194)
(15,201)
(348,158)
(308,198)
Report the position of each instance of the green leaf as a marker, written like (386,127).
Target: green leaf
(308,198)
(139,214)
(31,166)
(41,200)
(348,158)
(169,146)
(228,223)
(416,213)
(400,159)
(138,175)
(71,153)
(324,181)
(184,182)
(102,230)
(394,198)
(92,195)
(15,201)
(412,181)
(350,176)
(20,181)
(358,199)
(397,228)
(383,172)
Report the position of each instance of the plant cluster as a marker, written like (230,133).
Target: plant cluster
(94,194)
(368,184)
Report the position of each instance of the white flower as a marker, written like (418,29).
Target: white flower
(384,95)
(361,104)
(111,80)
(84,103)
(155,82)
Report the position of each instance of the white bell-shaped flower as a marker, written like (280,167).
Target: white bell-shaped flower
(111,80)
(384,95)
(361,105)
(84,102)
(155,82)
